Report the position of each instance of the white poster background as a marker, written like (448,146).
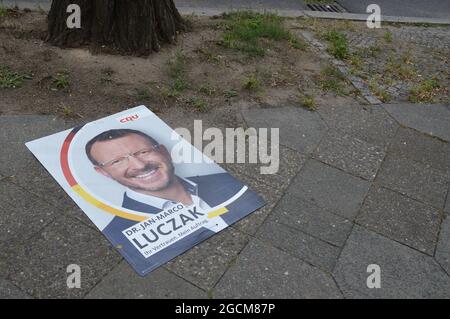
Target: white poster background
(47,150)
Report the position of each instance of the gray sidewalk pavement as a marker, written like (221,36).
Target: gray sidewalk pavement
(357,186)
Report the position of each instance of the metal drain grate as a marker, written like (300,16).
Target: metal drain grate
(332,7)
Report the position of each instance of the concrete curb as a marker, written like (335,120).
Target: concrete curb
(219,11)
(363,17)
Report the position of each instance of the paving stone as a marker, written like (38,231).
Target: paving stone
(204,264)
(311,219)
(77,213)
(357,83)
(24,168)
(299,244)
(371,124)
(9,291)
(300,129)
(330,188)
(405,273)
(22,215)
(401,218)
(372,99)
(290,163)
(39,267)
(422,148)
(350,154)
(414,179)
(124,283)
(36,180)
(428,37)
(432,119)
(271,194)
(262,271)
(443,246)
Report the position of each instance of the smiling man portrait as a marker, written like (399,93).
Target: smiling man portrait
(144,167)
(139,163)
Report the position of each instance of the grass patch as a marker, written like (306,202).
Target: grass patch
(197,103)
(176,69)
(10,79)
(230,94)
(400,69)
(106,76)
(356,61)
(379,92)
(331,80)
(69,112)
(245,31)
(61,81)
(308,102)
(251,83)
(297,43)
(180,84)
(374,51)
(143,94)
(388,36)
(338,44)
(189,21)
(425,91)
(168,92)
(3,11)
(207,55)
(207,89)
(176,65)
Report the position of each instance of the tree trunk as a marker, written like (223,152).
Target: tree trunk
(136,27)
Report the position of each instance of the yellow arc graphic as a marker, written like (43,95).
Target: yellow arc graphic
(217,212)
(87,197)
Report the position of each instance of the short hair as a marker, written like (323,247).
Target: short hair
(112,135)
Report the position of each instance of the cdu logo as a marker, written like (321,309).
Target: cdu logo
(129,119)
(132,117)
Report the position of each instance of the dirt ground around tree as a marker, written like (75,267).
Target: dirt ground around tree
(200,77)
(218,81)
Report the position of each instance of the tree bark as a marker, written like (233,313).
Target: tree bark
(136,27)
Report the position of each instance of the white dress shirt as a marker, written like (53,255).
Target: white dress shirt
(163,203)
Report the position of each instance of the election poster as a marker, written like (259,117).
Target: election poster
(120,170)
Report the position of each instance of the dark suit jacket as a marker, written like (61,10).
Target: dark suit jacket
(213,189)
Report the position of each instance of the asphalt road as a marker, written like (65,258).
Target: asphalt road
(405,8)
(220,4)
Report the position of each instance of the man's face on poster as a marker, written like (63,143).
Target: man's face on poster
(134,161)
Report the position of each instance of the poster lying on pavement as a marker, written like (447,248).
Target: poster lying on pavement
(120,171)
